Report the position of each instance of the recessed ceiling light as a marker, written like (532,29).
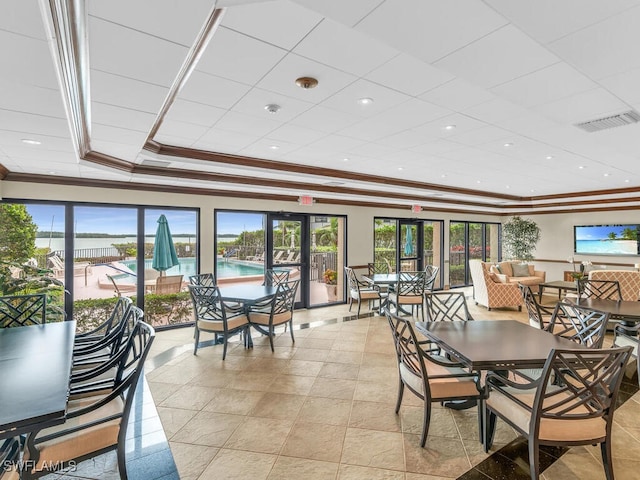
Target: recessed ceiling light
(478,181)
(274,147)
(549,157)
(508,144)
(626,181)
(581,167)
(306,82)
(532,190)
(29,141)
(272,108)
(345,159)
(450,127)
(400,168)
(507,187)
(444,175)
(52,173)
(607,175)
(365,101)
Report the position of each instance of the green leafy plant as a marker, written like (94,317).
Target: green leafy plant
(519,238)
(330,277)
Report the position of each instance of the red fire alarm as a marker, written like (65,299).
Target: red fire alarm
(305,200)
(416,208)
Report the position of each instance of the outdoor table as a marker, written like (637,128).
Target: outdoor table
(627,312)
(247,294)
(35,370)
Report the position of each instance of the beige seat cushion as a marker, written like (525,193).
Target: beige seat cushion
(406,299)
(215,326)
(550,430)
(441,387)
(366,294)
(262,318)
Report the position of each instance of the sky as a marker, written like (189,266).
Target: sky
(237,222)
(111,220)
(598,232)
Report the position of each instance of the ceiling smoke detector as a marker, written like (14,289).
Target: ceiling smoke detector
(272,108)
(306,82)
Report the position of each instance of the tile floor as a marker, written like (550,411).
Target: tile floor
(323,408)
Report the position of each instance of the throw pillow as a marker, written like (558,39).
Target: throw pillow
(520,270)
(494,269)
(494,277)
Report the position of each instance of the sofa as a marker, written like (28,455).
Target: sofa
(629,281)
(491,292)
(517,272)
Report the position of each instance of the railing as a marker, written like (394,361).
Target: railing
(94,255)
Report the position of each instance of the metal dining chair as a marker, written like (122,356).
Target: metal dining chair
(409,291)
(23,310)
(275,311)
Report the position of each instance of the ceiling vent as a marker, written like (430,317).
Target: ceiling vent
(619,120)
(155,163)
(333,184)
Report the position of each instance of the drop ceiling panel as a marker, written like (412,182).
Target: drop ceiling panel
(22,17)
(348,13)
(184,130)
(302,135)
(121,117)
(498,57)
(479,136)
(255,101)
(272,21)
(28,60)
(457,95)
(383,98)
(31,124)
(125,151)
(624,86)
(404,139)
(430,30)
(126,92)
(219,140)
(325,119)
(27,98)
(583,107)
(238,57)
(247,124)
(192,112)
(336,143)
(211,90)
(109,133)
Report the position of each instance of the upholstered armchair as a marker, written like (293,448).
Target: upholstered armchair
(492,293)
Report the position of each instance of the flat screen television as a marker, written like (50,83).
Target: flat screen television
(606,239)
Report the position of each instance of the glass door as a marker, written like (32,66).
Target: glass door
(410,245)
(288,249)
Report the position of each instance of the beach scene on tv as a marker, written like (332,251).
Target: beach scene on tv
(607,239)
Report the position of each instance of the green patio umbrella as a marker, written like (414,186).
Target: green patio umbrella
(164,252)
(408,242)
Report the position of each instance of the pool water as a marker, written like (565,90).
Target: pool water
(225,268)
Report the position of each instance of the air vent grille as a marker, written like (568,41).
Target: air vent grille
(155,163)
(333,184)
(613,121)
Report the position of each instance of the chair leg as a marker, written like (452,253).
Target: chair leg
(359,305)
(271,337)
(489,428)
(224,349)
(350,303)
(607,461)
(400,394)
(196,336)
(122,464)
(290,330)
(426,419)
(534,460)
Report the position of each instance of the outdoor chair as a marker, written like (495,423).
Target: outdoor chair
(431,272)
(602,289)
(539,315)
(409,291)
(86,340)
(56,264)
(203,279)
(581,324)
(215,316)
(168,284)
(273,278)
(275,311)
(22,310)
(432,378)
(628,336)
(572,403)
(446,305)
(95,424)
(378,267)
(361,291)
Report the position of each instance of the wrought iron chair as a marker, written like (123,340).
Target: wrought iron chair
(581,324)
(446,305)
(409,290)
(215,316)
(603,289)
(432,378)
(88,339)
(203,279)
(539,315)
(572,403)
(23,310)
(275,311)
(377,267)
(273,278)
(431,272)
(361,291)
(94,424)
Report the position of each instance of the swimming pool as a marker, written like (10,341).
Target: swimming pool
(226,268)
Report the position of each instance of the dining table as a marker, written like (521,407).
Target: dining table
(627,312)
(35,369)
(247,295)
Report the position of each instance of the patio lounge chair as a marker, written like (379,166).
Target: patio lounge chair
(57,265)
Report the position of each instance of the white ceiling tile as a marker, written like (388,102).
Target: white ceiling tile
(497,58)
(430,30)
(247,124)
(409,75)
(175,21)
(325,119)
(22,97)
(437,128)
(546,85)
(348,13)
(457,95)
(548,20)
(108,133)
(28,60)
(123,151)
(583,107)
(255,101)
(336,143)
(404,139)
(193,112)
(496,111)
(344,49)
(604,49)
(302,135)
(436,147)
(218,140)
(346,100)
(272,21)
(624,85)
(122,51)
(211,90)
(22,17)
(121,117)
(479,135)
(182,129)
(283,77)
(263,149)
(126,92)
(238,57)
(33,125)
(372,150)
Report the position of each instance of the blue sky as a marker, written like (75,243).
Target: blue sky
(598,232)
(111,220)
(237,222)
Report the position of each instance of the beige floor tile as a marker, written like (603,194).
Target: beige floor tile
(294,384)
(269,364)
(173,419)
(305,368)
(330,411)
(355,472)
(259,434)
(344,356)
(379,373)
(239,465)
(252,380)
(441,424)
(348,345)
(374,416)
(577,464)
(420,476)
(313,354)
(160,390)
(172,374)
(372,448)
(290,468)
(228,400)
(440,456)
(190,397)
(214,378)
(191,460)
(318,343)
(278,405)
(208,428)
(333,388)
(379,359)
(339,370)
(376,392)
(315,441)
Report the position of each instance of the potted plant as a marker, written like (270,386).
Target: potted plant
(519,238)
(330,278)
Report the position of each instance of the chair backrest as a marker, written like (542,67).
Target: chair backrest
(207,303)
(117,315)
(352,280)
(411,284)
(273,278)
(203,279)
(168,284)
(285,297)
(446,305)
(378,267)
(22,310)
(585,386)
(431,273)
(581,324)
(539,315)
(603,289)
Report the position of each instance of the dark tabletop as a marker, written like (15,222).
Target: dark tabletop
(494,344)
(381,278)
(247,294)
(35,366)
(627,310)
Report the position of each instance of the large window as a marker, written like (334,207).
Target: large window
(470,240)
